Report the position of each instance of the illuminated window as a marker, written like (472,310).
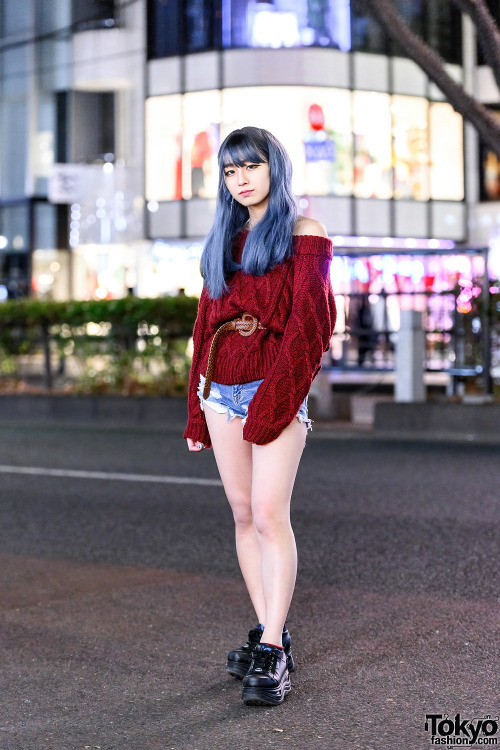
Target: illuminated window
(410,147)
(163,148)
(182,140)
(313,125)
(447,166)
(288,23)
(177,27)
(200,144)
(327,139)
(320,128)
(372,145)
(490,171)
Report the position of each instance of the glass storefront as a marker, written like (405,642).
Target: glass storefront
(359,143)
(410,127)
(489,166)
(371,291)
(200,142)
(289,23)
(178,27)
(50,274)
(141,268)
(372,149)
(446,153)
(314,124)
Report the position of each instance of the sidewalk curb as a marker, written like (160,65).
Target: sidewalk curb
(425,422)
(119,410)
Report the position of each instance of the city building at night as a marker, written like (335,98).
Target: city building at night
(113,114)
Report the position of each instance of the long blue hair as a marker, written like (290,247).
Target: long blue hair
(271,241)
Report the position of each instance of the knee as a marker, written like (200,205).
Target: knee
(269,520)
(242,510)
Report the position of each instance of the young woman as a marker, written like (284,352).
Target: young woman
(265,318)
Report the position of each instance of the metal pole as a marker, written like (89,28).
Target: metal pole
(46,355)
(486,329)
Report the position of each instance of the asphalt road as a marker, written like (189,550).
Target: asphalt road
(120,595)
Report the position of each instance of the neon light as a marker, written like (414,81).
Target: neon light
(398,243)
(273,29)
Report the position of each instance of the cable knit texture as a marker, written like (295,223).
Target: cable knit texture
(295,304)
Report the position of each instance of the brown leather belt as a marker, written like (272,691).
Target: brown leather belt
(246,325)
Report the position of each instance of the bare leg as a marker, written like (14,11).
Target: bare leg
(274,470)
(234,461)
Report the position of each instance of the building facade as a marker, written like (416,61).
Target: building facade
(112,114)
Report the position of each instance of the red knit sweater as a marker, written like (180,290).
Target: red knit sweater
(295,303)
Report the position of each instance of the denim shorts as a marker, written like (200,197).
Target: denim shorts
(235,400)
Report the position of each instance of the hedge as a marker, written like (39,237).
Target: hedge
(174,315)
(134,345)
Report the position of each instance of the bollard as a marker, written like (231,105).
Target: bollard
(410,358)
(324,404)
(321,394)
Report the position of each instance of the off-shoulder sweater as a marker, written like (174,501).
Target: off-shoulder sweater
(294,302)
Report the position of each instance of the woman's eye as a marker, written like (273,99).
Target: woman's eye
(252,166)
(229,173)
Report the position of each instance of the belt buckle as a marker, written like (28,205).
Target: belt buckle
(247,318)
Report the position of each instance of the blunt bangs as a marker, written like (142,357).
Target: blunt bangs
(240,149)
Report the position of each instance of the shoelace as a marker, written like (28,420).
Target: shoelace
(264,660)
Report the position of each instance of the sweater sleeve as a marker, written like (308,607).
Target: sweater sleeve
(196,428)
(305,339)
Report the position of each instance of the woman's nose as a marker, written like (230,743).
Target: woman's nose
(241,176)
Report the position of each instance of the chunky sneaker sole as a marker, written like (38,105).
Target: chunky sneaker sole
(238,669)
(256,696)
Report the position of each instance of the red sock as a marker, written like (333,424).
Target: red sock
(273,645)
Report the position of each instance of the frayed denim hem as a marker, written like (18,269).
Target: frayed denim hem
(235,395)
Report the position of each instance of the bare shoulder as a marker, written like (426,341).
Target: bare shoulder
(309,226)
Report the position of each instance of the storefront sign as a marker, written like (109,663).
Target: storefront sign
(65,183)
(320,151)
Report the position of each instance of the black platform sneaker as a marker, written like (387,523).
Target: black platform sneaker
(267,682)
(238,662)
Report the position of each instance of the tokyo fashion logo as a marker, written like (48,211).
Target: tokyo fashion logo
(458,732)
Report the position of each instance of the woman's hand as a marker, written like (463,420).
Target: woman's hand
(195,445)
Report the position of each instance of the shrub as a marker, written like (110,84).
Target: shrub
(128,345)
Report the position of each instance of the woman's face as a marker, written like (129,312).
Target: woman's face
(249,184)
